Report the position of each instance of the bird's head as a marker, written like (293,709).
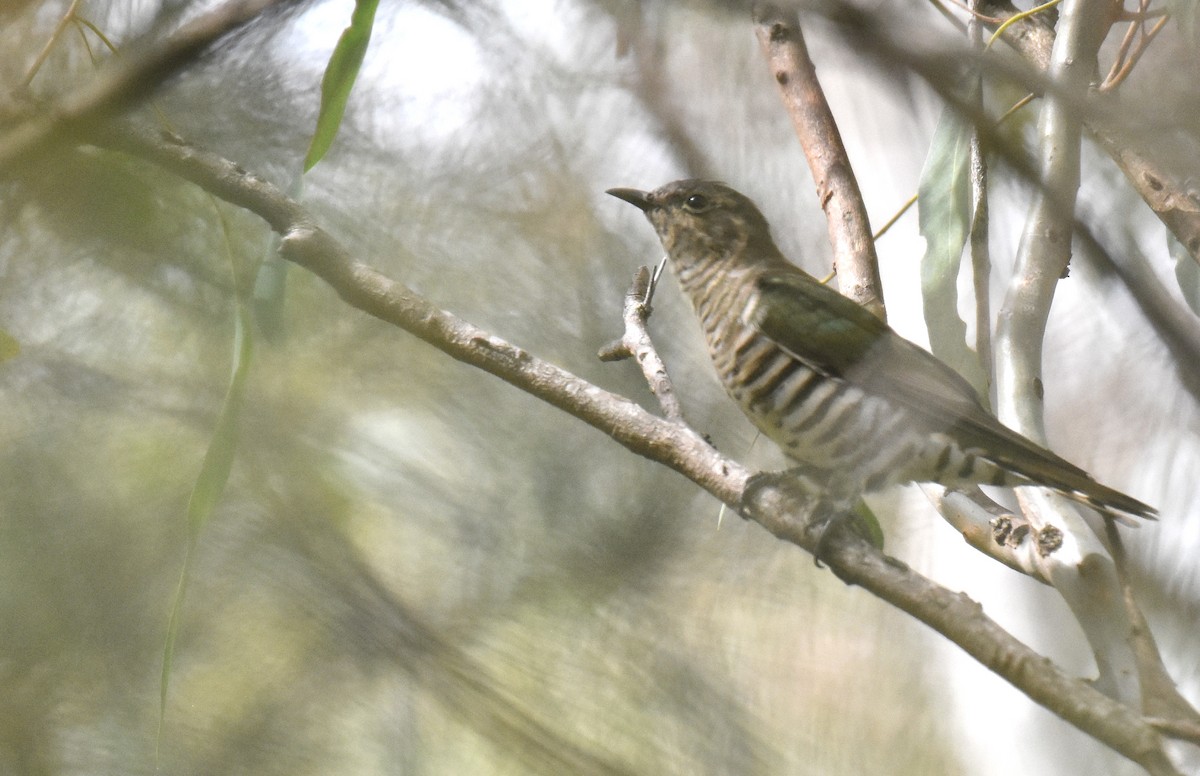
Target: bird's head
(702,220)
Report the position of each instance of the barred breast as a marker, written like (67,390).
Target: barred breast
(851,441)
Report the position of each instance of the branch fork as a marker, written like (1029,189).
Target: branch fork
(635,343)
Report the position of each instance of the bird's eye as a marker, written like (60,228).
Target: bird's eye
(696,202)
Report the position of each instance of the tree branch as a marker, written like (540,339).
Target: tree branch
(1163,191)
(777,506)
(1046,243)
(1173,323)
(854,256)
(635,342)
(962,620)
(1084,573)
(127,79)
(989,528)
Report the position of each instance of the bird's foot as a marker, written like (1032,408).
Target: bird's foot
(822,523)
(823,513)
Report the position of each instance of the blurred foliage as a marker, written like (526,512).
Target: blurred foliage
(944,209)
(415,568)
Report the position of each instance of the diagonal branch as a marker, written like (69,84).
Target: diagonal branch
(777,506)
(127,79)
(854,256)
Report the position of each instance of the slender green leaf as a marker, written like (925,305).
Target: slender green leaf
(9,347)
(943,199)
(340,74)
(867,524)
(214,472)
(270,285)
(218,460)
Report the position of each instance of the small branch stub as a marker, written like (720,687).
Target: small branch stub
(635,342)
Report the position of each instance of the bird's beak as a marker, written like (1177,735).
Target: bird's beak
(639,199)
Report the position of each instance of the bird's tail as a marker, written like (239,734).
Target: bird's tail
(1079,486)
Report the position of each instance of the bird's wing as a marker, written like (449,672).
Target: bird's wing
(839,338)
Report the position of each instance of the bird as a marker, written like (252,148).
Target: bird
(854,405)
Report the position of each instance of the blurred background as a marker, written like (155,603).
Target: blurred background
(417,569)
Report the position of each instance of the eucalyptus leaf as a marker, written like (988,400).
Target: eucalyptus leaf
(944,217)
(340,75)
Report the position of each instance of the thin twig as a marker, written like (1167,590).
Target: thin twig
(54,36)
(99,33)
(892,221)
(854,257)
(1016,106)
(82,29)
(981,260)
(1017,17)
(1183,730)
(1126,42)
(635,342)
(1114,79)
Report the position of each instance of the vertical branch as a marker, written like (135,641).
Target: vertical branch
(854,256)
(1080,569)
(1045,249)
